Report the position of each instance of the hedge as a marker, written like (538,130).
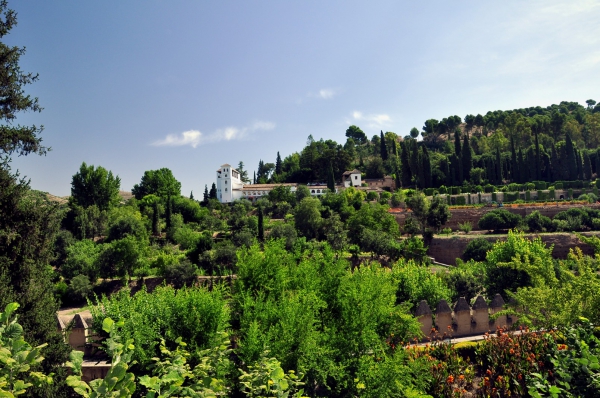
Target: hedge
(541,195)
(558,185)
(455,190)
(540,185)
(511,196)
(460,200)
(494,199)
(443,190)
(528,195)
(489,188)
(428,191)
(552,194)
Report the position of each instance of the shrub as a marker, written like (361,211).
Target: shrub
(371,195)
(465,227)
(446,231)
(538,223)
(443,190)
(182,274)
(79,289)
(498,219)
(415,283)
(551,194)
(540,185)
(513,187)
(478,188)
(558,185)
(530,186)
(455,190)
(465,280)
(494,197)
(527,196)
(428,191)
(477,249)
(489,188)
(397,199)
(460,200)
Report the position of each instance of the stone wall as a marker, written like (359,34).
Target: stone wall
(473,215)
(446,249)
(463,320)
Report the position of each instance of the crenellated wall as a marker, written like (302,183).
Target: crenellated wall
(463,320)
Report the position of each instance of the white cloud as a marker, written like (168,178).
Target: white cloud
(190,137)
(372,120)
(326,93)
(194,138)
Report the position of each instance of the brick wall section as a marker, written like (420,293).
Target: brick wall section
(474,214)
(446,249)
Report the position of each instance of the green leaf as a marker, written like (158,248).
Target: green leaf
(107,325)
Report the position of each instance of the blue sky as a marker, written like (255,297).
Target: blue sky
(190,85)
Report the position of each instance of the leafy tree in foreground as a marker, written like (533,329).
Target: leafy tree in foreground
(18,139)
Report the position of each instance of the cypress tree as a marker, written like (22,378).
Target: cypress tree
(192,195)
(579,164)
(213,192)
(514,163)
(498,167)
(383,147)
(278,169)
(330,179)
(168,213)
(467,158)
(523,175)
(458,162)
(587,166)
(554,172)
(261,226)
(421,171)
(538,165)
(571,158)
(427,183)
(254,180)
(205,199)
(405,165)
(597,163)
(446,169)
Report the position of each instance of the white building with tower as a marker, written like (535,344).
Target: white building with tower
(231,188)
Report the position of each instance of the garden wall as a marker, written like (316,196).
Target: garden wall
(472,214)
(463,320)
(446,249)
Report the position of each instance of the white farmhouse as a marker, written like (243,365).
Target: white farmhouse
(351,178)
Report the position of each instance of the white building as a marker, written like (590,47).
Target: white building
(352,178)
(230,188)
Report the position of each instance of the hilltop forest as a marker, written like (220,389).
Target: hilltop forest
(554,143)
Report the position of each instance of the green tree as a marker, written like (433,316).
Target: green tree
(383,150)
(95,186)
(467,158)
(356,134)
(213,192)
(414,133)
(160,182)
(243,173)
(278,167)
(330,178)
(308,217)
(261,225)
(18,139)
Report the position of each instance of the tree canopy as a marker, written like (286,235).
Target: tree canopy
(95,186)
(157,182)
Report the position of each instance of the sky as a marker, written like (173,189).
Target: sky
(190,85)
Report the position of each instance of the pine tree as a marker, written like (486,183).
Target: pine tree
(383,147)
(278,169)
(213,192)
(467,158)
